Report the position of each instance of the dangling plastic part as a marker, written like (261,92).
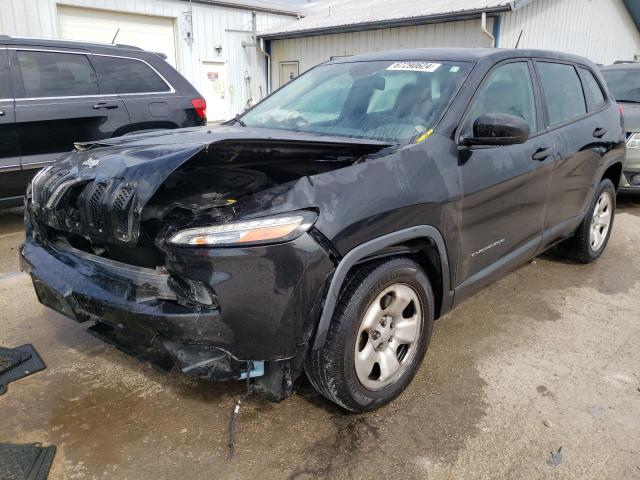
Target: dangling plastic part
(233,419)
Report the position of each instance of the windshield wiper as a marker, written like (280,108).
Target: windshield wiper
(625,100)
(239,120)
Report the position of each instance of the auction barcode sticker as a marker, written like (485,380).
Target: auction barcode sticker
(414,66)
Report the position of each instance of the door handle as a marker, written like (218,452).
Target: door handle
(541,154)
(1,113)
(105,106)
(599,132)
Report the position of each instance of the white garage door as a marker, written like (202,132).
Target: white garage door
(155,34)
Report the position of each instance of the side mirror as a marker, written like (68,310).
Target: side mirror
(499,129)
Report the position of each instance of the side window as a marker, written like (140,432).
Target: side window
(507,90)
(562,91)
(5,77)
(51,74)
(592,90)
(125,75)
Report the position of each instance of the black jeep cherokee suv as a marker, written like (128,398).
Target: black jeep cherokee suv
(55,92)
(325,229)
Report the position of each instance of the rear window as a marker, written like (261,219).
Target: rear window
(125,75)
(592,90)
(562,92)
(49,74)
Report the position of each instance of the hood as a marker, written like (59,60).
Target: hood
(100,190)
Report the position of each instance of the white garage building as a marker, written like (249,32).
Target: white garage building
(603,30)
(211,42)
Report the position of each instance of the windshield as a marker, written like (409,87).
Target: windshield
(624,84)
(383,100)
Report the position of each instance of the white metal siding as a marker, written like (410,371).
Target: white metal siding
(211,25)
(310,51)
(601,30)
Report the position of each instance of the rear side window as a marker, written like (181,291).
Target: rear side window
(507,90)
(592,90)
(125,75)
(50,74)
(5,85)
(562,92)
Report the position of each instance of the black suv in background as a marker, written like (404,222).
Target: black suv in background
(54,93)
(328,227)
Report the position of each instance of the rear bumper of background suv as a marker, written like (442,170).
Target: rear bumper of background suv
(266,302)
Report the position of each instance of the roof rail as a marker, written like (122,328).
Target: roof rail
(122,45)
(64,40)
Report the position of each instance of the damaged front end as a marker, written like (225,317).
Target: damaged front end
(182,249)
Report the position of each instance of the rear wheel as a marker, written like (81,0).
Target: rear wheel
(378,336)
(592,236)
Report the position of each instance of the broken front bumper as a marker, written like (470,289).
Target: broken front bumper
(267,299)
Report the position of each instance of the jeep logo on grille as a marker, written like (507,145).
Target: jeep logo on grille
(92,162)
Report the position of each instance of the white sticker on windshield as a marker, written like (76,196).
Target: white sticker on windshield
(415,66)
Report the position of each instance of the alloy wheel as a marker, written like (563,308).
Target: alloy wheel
(601,221)
(388,336)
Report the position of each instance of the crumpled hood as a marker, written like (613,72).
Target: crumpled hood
(100,190)
(148,158)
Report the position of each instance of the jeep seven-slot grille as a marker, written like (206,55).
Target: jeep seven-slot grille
(95,203)
(122,212)
(100,209)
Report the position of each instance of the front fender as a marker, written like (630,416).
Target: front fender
(369,248)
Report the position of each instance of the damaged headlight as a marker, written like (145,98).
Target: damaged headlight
(279,228)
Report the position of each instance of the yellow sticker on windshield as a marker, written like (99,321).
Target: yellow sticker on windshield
(424,136)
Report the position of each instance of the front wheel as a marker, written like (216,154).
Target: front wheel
(592,236)
(378,335)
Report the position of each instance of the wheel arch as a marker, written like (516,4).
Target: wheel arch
(613,172)
(423,242)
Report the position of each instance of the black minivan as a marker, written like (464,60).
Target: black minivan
(54,93)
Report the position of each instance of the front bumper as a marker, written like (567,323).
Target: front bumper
(630,181)
(267,302)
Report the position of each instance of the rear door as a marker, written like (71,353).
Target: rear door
(150,99)
(577,137)
(59,102)
(505,188)
(12,183)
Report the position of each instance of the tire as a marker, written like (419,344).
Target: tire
(378,290)
(583,247)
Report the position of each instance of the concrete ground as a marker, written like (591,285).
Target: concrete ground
(545,360)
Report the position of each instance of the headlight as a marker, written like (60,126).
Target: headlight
(634,141)
(279,228)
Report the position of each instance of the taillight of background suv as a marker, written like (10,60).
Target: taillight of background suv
(200,105)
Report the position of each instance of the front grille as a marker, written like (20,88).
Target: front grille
(100,209)
(95,204)
(121,212)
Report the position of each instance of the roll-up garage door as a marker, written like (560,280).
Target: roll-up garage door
(152,33)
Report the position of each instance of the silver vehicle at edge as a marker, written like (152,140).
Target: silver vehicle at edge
(624,82)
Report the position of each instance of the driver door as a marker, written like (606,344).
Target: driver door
(504,188)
